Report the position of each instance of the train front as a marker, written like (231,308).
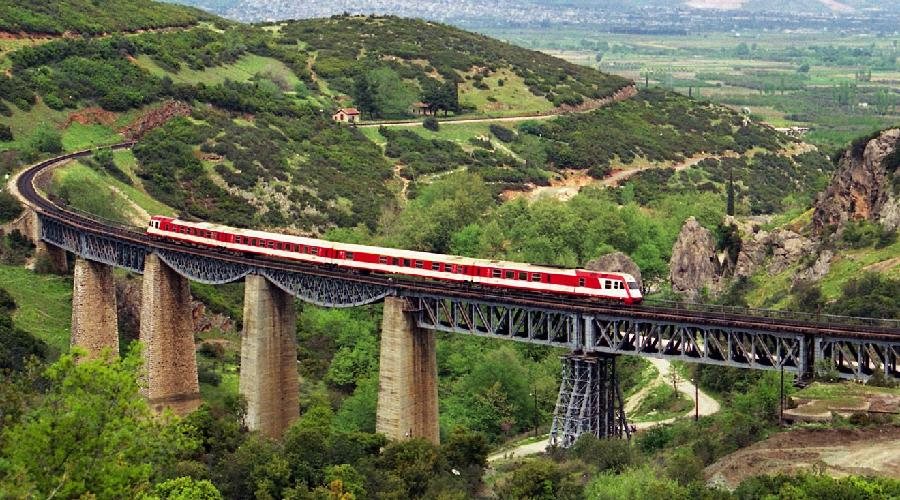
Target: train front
(634,289)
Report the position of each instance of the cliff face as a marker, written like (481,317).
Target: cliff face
(862,187)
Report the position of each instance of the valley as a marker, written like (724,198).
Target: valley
(641,161)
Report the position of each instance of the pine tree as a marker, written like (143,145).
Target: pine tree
(729,204)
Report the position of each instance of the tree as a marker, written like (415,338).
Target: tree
(391,95)
(537,480)
(92,434)
(10,208)
(729,203)
(185,488)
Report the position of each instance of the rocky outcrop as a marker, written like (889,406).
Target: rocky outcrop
(776,250)
(862,187)
(128,297)
(616,262)
(694,263)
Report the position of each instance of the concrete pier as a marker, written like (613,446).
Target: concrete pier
(30,226)
(269,379)
(407,391)
(167,332)
(94,319)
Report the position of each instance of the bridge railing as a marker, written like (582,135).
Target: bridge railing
(816,318)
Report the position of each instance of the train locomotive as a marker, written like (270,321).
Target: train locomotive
(619,287)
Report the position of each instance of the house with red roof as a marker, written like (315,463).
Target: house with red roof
(346,115)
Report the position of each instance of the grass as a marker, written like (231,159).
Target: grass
(77,136)
(771,291)
(661,403)
(44,304)
(241,71)
(851,263)
(101,195)
(512,98)
(25,123)
(843,391)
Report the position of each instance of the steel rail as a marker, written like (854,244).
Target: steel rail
(837,326)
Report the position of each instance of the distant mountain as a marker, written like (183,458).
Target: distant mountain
(504,12)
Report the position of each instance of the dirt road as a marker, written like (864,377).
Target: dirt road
(708,406)
(837,452)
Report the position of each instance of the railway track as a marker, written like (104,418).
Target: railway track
(837,326)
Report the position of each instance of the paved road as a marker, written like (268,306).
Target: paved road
(708,406)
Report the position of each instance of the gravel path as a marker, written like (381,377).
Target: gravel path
(708,406)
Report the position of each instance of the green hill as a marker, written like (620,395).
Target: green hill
(91,17)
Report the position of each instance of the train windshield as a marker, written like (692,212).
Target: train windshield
(632,285)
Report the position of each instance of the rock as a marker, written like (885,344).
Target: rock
(128,298)
(693,266)
(817,271)
(862,187)
(787,248)
(616,262)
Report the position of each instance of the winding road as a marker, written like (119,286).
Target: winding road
(708,406)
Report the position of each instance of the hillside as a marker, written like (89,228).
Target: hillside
(93,17)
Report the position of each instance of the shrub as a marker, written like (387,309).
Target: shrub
(6,134)
(431,123)
(15,248)
(502,133)
(862,233)
(47,140)
(607,454)
(10,208)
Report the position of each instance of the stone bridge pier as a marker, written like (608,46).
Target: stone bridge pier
(167,332)
(94,316)
(269,379)
(407,390)
(30,226)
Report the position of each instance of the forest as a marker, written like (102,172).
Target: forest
(252,145)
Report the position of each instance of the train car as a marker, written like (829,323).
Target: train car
(619,287)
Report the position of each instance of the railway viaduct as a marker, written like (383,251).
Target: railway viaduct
(589,400)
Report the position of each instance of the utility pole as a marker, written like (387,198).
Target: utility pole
(781,408)
(696,394)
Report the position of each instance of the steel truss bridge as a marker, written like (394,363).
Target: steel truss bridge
(593,332)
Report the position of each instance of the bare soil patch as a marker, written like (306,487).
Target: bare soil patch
(837,452)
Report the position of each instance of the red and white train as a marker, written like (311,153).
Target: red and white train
(509,275)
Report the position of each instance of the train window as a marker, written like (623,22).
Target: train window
(523,275)
(607,284)
(536,277)
(461,269)
(497,273)
(618,285)
(420,264)
(314,250)
(435,266)
(348,256)
(382,260)
(510,275)
(581,281)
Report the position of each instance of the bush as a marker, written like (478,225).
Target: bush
(613,455)
(7,303)
(862,233)
(6,134)
(208,375)
(10,208)
(15,248)
(47,140)
(502,133)
(431,123)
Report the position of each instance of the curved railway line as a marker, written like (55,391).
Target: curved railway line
(792,323)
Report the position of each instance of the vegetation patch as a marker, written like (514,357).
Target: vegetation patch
(43,304)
